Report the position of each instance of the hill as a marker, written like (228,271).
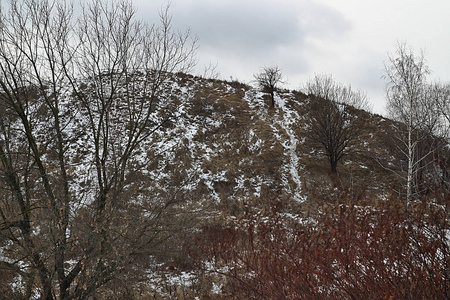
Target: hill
(144,180)
(232,147)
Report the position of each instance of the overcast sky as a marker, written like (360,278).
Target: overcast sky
(349,39)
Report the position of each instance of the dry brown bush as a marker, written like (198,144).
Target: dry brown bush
(345,252)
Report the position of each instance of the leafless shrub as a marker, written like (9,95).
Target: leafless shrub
(344,252)
(332,121)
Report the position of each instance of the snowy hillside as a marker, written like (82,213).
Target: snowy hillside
(222,144)
(170,182)
(225,145)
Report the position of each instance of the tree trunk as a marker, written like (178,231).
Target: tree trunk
(409,180)
(272,97)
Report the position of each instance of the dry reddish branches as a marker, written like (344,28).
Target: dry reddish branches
(347,252)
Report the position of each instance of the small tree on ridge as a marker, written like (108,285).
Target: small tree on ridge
(268,79)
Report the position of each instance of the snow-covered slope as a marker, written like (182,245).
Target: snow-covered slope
(230,145)
(222,145)
(225,145)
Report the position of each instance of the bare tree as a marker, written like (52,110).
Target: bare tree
(268,79)
(78,99)
(332,116)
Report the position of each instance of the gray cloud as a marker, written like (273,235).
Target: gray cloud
(242,36)
(346,38)
(245,35)
(242,28)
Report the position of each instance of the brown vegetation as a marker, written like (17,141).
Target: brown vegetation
(340,252)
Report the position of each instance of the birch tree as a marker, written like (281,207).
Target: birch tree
(410,101)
